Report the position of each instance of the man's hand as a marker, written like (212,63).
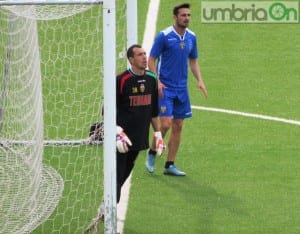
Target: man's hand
(161,86)
(122,141)
(202,87)
(159,143)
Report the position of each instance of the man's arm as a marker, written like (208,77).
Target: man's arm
(151,64)
(195,68)
(152,67)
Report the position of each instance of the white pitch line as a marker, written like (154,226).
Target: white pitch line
(258,116)
(122,205)
(150,25)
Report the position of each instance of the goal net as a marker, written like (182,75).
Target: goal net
(51,176)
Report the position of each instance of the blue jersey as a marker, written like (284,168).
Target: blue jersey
(173,52)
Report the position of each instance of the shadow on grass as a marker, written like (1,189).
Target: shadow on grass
(173,204)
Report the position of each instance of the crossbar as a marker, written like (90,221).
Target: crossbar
(50,2)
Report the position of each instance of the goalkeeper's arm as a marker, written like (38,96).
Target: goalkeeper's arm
(122,141)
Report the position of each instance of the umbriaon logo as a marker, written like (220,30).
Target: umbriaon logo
(249,12)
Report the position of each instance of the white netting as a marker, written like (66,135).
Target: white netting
(27,197)
(51,93)
(46,12)
(22,172)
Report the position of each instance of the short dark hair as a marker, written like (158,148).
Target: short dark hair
(130,53)
(183,5)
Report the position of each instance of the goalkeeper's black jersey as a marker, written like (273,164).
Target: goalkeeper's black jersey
(137,103)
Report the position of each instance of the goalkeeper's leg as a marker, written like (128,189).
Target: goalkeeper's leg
(125,164)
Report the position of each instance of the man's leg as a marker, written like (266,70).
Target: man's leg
(165,104)
(150,158)
(173,146)
(174,139)
(151,153)
(125,164)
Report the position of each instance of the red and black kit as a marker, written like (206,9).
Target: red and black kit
(137,99)
(137,103)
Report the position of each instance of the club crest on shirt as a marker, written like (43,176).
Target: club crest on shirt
(142,88)
(182,45)
(163,109)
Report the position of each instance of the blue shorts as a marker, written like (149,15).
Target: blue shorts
(175,103)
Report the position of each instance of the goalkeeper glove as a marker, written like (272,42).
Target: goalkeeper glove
(159,143)
(122,141)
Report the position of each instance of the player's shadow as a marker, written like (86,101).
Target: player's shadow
(201,202)
(202,194)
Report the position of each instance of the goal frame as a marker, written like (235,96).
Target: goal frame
(109,90)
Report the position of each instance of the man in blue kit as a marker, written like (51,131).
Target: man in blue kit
(174,48)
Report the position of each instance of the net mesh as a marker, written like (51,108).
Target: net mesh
(51,93)
(47,12)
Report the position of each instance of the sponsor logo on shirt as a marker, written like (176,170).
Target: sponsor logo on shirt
(134,89)
(140,100)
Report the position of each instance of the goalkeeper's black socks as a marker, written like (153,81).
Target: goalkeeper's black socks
(152,152)
(168,163)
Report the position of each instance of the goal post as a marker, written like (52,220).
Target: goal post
(109,20)
(58,60)
(109,65)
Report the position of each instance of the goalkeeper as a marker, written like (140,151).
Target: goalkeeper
(137,108)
